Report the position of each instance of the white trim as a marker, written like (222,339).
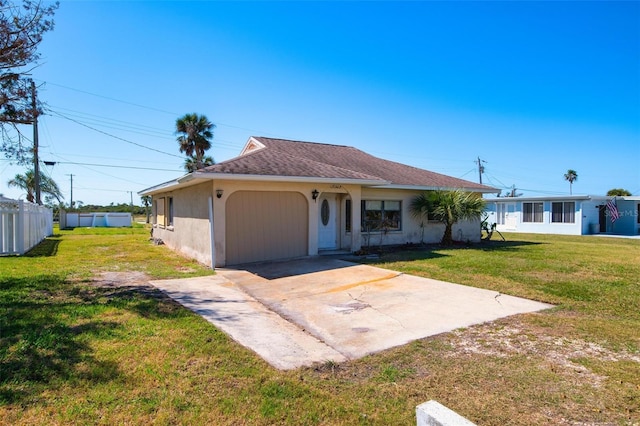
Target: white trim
(252,145)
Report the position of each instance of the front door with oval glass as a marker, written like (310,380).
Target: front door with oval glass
(327,222)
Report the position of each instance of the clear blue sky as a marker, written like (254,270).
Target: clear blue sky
(533,88)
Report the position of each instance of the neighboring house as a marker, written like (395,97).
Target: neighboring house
(283,199)
(570,215)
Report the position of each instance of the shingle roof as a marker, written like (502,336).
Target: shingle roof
(281,157)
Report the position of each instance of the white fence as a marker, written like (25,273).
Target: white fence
(73,220)
(23,225)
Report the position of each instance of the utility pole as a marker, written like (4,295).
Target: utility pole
(71,202)
(36,162)
(131,204)
(480,168)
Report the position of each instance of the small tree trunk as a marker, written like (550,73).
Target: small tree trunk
(447,238)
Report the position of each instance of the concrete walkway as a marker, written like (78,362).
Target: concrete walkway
(314,310)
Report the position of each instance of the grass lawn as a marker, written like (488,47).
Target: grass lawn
(73,352)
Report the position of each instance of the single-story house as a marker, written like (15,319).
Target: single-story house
(569,215)
(284,199)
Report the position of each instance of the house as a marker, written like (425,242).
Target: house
(284,199)
(569,215)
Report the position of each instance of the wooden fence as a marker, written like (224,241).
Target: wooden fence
(22,226)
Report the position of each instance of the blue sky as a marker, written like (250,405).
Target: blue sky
(532,88)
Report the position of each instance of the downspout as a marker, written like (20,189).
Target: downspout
(213,243)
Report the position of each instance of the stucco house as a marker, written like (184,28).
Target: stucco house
(284,199)
(569,215)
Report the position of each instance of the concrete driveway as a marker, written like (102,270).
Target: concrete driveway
(300,312)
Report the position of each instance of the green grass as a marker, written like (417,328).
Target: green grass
(75,353)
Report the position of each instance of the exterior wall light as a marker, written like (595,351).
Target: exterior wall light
(314,194)
(219,193)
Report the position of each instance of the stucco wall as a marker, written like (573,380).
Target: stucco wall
(190,233)
(412,231)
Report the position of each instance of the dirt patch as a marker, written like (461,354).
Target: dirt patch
(121,279)
(560,353)
(126,282)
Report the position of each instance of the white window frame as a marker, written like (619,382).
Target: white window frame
(534,214)
(567,212)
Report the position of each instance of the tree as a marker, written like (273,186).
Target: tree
(27,183)
(190,164)
(195,134)
(448,207)
(571,176)
(146,203)
(22,26)
(618,192)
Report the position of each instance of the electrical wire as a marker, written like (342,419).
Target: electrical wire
(116,137)
(116,167)
(151,108)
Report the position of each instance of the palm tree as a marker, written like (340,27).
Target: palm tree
(448,207)
(571,176)
(27,183)
(190,164)
(195,134)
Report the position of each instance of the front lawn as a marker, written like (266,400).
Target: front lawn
(72,351)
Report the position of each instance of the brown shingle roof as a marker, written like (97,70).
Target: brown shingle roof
(281,157)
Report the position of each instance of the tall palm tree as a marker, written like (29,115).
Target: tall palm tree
(194,136)
(571,176)
(27,183)
(448,207)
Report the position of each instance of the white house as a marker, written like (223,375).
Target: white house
(570,215)
(284,199)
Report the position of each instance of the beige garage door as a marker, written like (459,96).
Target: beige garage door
(263,225)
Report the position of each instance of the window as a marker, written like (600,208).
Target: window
(347,216)
(164,211)
(532,212)
(380,215)
(638,213)
(169,211)
(160,211)
(563,212)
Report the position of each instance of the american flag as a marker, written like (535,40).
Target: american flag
(613,210)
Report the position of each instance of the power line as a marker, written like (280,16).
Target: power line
(115,137)
(115,166)
(109,98)
(153,108)
(126,126)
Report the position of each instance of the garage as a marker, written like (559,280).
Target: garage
(266,225)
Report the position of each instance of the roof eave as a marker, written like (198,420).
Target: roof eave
(436,188)
(198,177)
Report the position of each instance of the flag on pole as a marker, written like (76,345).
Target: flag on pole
(613,210)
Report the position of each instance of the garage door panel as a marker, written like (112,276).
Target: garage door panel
(264,225)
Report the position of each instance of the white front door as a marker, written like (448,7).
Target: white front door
(511,219)
(327,222)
